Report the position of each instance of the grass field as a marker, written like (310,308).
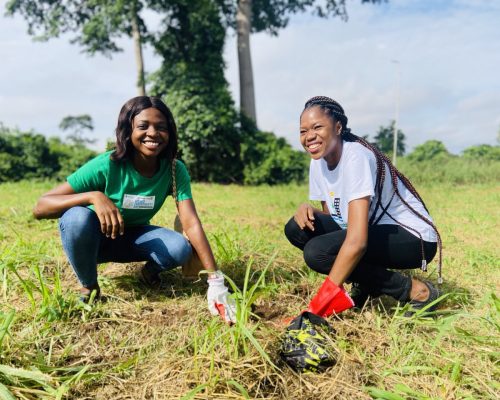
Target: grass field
(163,344)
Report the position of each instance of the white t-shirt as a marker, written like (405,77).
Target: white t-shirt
(353,178)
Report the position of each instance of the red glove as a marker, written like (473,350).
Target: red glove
(330,299)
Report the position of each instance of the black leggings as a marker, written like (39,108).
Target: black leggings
(389,246)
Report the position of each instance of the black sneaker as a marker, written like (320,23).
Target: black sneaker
(90,295)
(150,274)
(360,294)
(416,305)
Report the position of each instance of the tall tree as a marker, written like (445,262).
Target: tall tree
(97,24)
(191,79)
(270,16)
(243,26)
(384,139)
(76,125)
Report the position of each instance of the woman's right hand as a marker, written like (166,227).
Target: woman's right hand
(304,217)
(111,219)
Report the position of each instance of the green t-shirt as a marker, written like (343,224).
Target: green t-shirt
(138,198)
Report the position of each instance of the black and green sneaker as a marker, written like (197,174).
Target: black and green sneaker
(305,346)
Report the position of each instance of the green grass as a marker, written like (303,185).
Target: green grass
(451,170)
(163,344)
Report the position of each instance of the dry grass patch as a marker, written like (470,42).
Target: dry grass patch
(163,344)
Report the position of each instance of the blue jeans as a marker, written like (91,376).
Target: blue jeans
(86,246)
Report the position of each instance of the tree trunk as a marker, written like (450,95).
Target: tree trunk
(136,35)
(243,25)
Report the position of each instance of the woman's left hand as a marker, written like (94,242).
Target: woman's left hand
(219,301)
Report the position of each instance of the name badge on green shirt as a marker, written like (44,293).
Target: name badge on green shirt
(132,201)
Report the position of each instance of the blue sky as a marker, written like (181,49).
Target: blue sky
(448,54)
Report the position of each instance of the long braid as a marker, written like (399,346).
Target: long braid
(174,182)
(335,110)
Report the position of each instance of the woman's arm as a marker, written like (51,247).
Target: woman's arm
(53,203)
(218,299)
(304,217)
(191,225)
(355,243)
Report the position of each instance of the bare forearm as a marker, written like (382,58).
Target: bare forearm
(347,259)
(52,206)
(356,241)
(200,243)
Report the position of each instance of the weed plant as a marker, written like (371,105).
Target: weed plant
(163,344)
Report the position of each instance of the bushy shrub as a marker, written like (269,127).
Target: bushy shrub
(29,155)
(70,157)
(24,155)
(271,160)
(482,152)
(430,150)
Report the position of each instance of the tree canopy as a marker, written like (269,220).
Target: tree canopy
(76,125)
(384,139)
(430,150)
(482,152)
(97,24)
(191,80)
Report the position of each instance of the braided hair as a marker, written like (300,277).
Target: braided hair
(335,111)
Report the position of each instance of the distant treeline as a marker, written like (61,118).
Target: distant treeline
(30,155)
(264,159)
(431,163)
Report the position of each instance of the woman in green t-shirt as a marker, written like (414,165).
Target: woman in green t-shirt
(105,206)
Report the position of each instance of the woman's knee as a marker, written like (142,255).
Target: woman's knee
(182,251)
(79,222)
(316,258)
(294,234)
(291,228)
(175,249)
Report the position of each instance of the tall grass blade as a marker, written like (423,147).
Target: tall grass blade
(191,394)
(4,328)
(257,345)
(36,376)
(239,387)
(6,394)
(383,394)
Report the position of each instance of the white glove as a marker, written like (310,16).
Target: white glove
(219,302)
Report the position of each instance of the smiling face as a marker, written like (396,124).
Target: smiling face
(149,133)
(320,135)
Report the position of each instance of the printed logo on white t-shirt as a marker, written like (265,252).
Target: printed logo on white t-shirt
(135,202)
(334,208)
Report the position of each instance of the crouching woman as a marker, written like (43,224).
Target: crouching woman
(372,219)
(106,205)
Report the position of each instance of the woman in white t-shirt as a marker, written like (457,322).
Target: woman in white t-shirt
(372,218)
